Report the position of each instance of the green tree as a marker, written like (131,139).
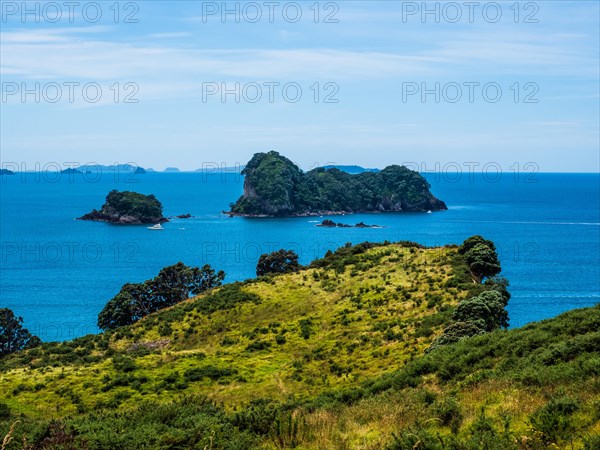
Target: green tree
(483,261)
(13,336)
(176,283)
(125,308)
(457,331)
(499,284)
(280,261)
(471,242)
(172,285)
(485,310)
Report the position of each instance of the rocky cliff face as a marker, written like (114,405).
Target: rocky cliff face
(274,186)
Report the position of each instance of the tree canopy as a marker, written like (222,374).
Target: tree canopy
(280,261)
(172,285)
(483,261)
(13,336)
(128,207)
(486,311)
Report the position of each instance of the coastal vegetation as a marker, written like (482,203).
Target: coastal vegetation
(275,186)
(128,207)
(280,261)
(172,285)
(13,336)
(348,352)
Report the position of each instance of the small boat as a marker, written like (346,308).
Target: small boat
(158,226)
(429,212)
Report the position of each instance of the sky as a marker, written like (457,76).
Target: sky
(437,85)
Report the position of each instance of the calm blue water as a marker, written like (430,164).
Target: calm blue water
(57,273)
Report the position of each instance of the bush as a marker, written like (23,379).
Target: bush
(553,420)
(481,257)
(258,346)
(4,411)
(226,297)
(212,372)
(280,261)
(486,311)
(456,332)
(123,363)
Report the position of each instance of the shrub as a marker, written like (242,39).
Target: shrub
(553,420)
(448,411)
(212,372)
(280,261)
(486,310)
(258,345)
(4,411)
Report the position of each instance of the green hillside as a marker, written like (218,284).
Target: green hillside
(336,355)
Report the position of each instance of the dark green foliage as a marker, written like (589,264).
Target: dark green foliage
(280,261)
(473,241)
(227,297)
(133,203)
(305,328)
(447,410)
(13,337)
(485,311)
(258,417)
(258,345)
(483,261)
(351,254)
(123,363)
(212,372)
(128,207)
(499,284)
(457,331)
(591,442)
(172,285)
(189,422)
(4,411)
(275,186)
(554,421)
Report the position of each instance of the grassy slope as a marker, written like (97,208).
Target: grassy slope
(360,377)
(339,325)
(536,387)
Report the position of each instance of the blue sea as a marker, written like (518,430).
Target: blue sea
(57,272)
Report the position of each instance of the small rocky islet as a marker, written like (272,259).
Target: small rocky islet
(128,207)
(331,224)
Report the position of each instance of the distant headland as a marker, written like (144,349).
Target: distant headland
(128,208)
(275,186)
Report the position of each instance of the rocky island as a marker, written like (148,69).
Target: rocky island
(128,208)
(331,224)
(275,186)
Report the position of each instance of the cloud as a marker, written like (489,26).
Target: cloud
(77,54)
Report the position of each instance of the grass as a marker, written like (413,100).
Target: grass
(292,335)
(330,357)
